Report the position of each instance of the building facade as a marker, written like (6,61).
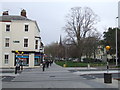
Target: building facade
(19,40)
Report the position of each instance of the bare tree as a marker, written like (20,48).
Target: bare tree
(80,21)
(91,43)
(52,49)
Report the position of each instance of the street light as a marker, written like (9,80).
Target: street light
(116,44)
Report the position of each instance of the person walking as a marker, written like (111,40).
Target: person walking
(43,67)
(47,63)
(50,62)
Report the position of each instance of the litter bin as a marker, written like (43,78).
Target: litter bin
(107,78)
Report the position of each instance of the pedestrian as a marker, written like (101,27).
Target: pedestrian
(47,63)
(50,62)
(43,66)
(21,64)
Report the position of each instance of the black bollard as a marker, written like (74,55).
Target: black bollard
(16,70)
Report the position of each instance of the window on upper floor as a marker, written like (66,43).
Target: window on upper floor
(25,42)
(7,28)
(7,42)
(36,44)
(26,28)
(6,58)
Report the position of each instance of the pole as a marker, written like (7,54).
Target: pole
(116,43)
(116,47)
(107,65)
(22,61)
(107,52)
(16,64)
(107,61)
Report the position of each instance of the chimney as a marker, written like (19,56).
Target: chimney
(23,13)
(5,13)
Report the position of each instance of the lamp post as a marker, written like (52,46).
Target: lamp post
(116,44)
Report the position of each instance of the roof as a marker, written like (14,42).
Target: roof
(9,18)
(12,17)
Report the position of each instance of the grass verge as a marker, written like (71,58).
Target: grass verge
(79,64)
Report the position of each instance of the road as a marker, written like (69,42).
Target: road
(54,77)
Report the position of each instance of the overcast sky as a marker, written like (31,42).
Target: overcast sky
(50,14)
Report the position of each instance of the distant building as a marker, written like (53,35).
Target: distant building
(19,40)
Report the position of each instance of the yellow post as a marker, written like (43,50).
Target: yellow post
(64,65)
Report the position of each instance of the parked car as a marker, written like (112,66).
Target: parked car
(76,60)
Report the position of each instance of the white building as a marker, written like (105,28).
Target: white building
(19,40)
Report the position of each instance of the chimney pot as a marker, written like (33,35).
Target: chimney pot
(5,13)
(23,13)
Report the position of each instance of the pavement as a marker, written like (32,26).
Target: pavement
(57,77)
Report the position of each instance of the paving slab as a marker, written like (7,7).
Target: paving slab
(53,77)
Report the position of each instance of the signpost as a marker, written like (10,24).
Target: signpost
(107,52)
(107,76)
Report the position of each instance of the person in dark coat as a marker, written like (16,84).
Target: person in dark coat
(43,66)
(47,63)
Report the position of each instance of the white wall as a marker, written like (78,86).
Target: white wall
(17,33)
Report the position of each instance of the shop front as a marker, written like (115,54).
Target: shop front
(38,59)
(22,59)
(27,58)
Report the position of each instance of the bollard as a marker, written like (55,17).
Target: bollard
(88,66)
(16,70)
(64,65)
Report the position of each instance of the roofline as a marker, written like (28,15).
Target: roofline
(37,25)
(20,20)
(27,19)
